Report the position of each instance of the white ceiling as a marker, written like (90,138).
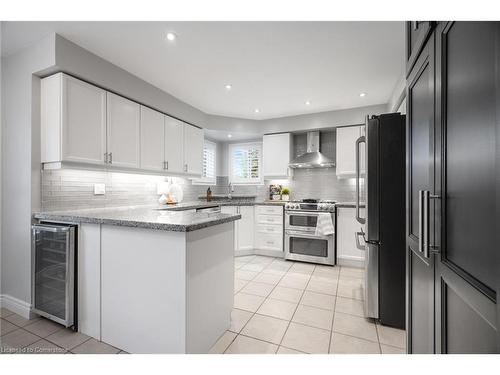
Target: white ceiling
(273,66)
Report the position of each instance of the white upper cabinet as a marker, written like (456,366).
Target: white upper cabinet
(277,151)
(81,123)
(152,139)
(193,150)
(346,151)
(174,145)
(73,121)
(123,131)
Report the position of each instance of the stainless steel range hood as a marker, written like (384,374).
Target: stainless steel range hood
(313,158)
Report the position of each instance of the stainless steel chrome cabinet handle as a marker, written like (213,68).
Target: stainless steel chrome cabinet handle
(185,167)
(424,222)
(360,140)
(110,158)
(421,220)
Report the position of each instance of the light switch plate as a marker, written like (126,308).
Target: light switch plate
(99,189)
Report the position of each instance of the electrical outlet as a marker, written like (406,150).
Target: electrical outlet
(99,189)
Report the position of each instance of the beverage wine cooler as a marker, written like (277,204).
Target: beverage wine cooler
(53,272)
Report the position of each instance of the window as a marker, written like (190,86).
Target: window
(208,176)
(245,163)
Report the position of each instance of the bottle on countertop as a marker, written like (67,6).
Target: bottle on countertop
(209,194)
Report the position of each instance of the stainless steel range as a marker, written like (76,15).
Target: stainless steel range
(303,242)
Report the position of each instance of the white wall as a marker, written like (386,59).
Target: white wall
(19,112)
(330,119)
(77,61)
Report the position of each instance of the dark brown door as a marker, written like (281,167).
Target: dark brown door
(420,178)
(467,251)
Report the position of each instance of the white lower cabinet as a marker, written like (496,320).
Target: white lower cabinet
(269,230)
(260,230)
(347,252)
(244,229)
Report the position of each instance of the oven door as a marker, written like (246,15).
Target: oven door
(301,221)
(308,247)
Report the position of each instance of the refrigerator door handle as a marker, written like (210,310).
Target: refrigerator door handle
(360,140)
(371,242)
(358,243)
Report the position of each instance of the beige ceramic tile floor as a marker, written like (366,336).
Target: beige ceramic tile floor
(288,307)
(41,336)
(279,307)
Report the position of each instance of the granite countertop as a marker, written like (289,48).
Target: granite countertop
(204,204)
(226,197)
(142,217)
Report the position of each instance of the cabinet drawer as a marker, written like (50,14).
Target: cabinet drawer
(269,219)
(269,210)
(269,241)
(273,229)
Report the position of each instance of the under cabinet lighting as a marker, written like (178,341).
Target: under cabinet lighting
(362,95)
(228,87)
(171,36)
(230,136)
(308,102)
(257,110)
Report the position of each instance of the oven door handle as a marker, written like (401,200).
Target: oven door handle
(306,235)
(296,213)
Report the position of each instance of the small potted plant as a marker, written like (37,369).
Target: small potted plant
(285,194)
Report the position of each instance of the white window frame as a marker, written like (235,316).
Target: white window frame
(203,180)
(237,181)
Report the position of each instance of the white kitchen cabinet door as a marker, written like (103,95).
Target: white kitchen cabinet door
(174,145)
(152,139)
(346,151)
(193,150)
(277,150)
(73,120)
(232,210)
(245,229)
(347,252)
(123,131)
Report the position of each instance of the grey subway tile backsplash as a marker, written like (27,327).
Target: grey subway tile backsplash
(66,189)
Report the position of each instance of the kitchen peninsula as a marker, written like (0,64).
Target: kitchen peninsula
(153,281)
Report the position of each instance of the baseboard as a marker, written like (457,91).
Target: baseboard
(269,253)
(240,253)
(348,261)
(17,306)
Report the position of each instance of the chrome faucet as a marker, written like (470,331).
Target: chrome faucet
(230,189)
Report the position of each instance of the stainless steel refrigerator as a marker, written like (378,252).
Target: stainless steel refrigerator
(381,191)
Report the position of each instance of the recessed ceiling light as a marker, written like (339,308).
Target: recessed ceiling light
(257,110)
(171,36)
(308,102)
(228,87)
(230,136)
(362,95)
